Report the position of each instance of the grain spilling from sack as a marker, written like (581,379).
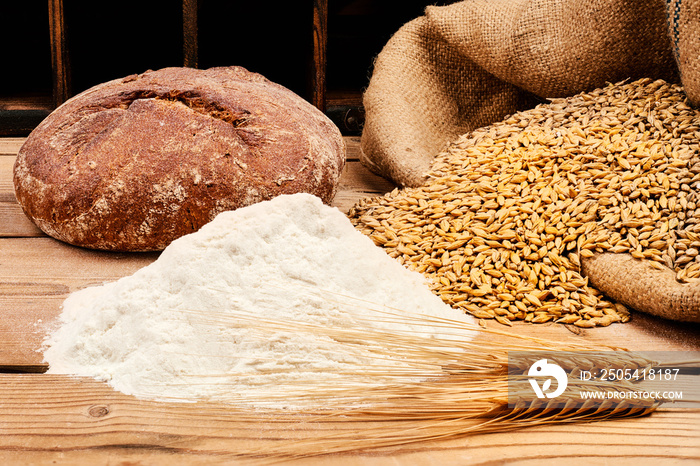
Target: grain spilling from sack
(509,210)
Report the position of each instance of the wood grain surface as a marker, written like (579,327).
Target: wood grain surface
(80,421)
(48,419)
(60,61)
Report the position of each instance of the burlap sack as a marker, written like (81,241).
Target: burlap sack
(469,64)
(465,65)
(684,31)
(643,288)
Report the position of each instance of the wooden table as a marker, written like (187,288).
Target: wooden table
(48,419)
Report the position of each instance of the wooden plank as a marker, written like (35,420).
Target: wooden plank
(352,148)
(60,61)
(36,276)
(7,190)
(357,181)
(319,54)
(13,222)
(29,101)
(190,33)
(10,146)
(80,421)
(643,333)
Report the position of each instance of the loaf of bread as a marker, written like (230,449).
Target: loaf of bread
(134,163)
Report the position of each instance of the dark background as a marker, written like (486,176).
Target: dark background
(111,40)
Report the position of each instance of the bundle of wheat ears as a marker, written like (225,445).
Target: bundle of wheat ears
(445,387)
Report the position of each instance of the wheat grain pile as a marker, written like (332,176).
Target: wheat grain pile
(510,209)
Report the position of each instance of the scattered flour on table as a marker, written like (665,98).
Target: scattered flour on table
(208,319)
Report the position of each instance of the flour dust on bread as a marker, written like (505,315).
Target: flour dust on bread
(134,163)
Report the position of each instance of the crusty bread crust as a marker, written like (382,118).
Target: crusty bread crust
(134,163)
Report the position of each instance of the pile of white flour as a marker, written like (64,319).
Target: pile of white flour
(217,315)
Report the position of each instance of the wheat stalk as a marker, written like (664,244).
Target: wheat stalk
(445,389)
